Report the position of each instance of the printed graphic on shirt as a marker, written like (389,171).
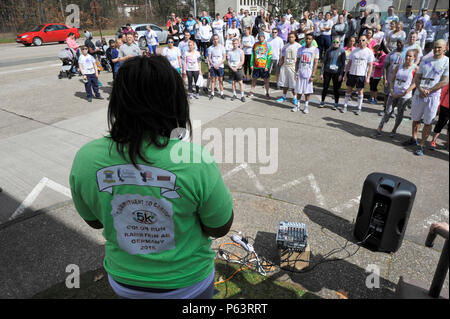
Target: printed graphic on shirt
(144,224)
(127,174)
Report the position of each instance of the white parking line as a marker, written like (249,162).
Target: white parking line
(44,182)
(30,69)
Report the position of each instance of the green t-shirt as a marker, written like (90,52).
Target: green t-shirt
(152,216)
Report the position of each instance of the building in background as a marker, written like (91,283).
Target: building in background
(253,6)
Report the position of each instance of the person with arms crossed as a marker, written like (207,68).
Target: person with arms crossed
(158,213)
(431,77)
(235,58)
(306,66)
(218,26)
(357,73)
(325,35)
(287,69)
(277,44)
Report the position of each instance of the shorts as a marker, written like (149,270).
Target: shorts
(214,73)
(374,84)
(260,73)
(274,66)
(354,80)
(424,107)
(236,76)
(304,86)
(287,78)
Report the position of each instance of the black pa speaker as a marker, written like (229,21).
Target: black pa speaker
(386,203)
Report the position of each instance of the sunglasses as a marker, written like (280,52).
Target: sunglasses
(84,49)
(274,31)
(336,42)
(362,40)
(169,41)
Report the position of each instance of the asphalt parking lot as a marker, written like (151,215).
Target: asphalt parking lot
(322,160)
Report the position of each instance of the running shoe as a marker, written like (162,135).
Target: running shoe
(419,151)
(321,105)
(211,97)
(358,112)
(281,100)
(222,97)
(250,95)
(295,101)
(376,134)
(197,96)
(410,142)
(305,110)
(243,99)
(234,97)
(191,96)
(381,113)
(295,109)
(343,110)
(393,134)
(374,101)
(335,106)
(432,146)
(369,100)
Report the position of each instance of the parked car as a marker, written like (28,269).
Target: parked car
(45,33)
(141,28)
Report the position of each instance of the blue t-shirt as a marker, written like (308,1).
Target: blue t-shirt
(190,26)
(115,55)
(230,21)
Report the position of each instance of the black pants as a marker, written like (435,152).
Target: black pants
(327,77)
(192,75)
(443,119)
(203,48)
(247,70)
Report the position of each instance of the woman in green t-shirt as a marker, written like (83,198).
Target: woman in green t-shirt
(158,208)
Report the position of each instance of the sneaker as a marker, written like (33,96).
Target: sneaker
(295,109)
(369,100)
(393,115)
(222,97)
(205,90)
(295,101)
(99,84)
(321,105)
(376,134)
(373,101)
(211,97)
(197,96)
(234,97)
(335,107)
(243,99)
(358,112)
(99,97)
(343,110)
(392,135)
(432,146)
(89,99)
(305,110)
(191,96)
(410,142)
(419,151)
(381,113)
(250,95)
(281,99)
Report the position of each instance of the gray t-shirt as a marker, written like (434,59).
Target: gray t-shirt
(126,50)
(432,71)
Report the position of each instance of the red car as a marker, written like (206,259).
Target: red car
(44,33)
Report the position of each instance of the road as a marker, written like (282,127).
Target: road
(322,158)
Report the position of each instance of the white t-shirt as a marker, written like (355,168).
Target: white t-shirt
(191,60)
(86,63)
(360,61)
(295,26)
(236,32)
(217,26)
(326,24)
(216,54)
(229,45)
(432,70)
(306,63)
(172,55)
(403,80)
(277,45)
(411,47)
(151,37)
(234,57)
(289,52)
(247,44)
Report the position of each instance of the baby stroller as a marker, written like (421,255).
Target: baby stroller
(106,64)
(69,59)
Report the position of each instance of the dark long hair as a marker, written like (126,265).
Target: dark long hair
(148,101)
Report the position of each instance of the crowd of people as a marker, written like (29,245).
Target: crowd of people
(357,51)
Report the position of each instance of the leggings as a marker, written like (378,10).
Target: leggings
(203,48)
(374,84)
(192,75)
(248,58)
(401,105)
(324,43)
(327,77)
(443,119)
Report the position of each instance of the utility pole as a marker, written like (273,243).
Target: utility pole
(195,9)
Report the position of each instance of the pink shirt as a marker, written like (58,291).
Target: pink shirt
(71,43)
(378,66)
